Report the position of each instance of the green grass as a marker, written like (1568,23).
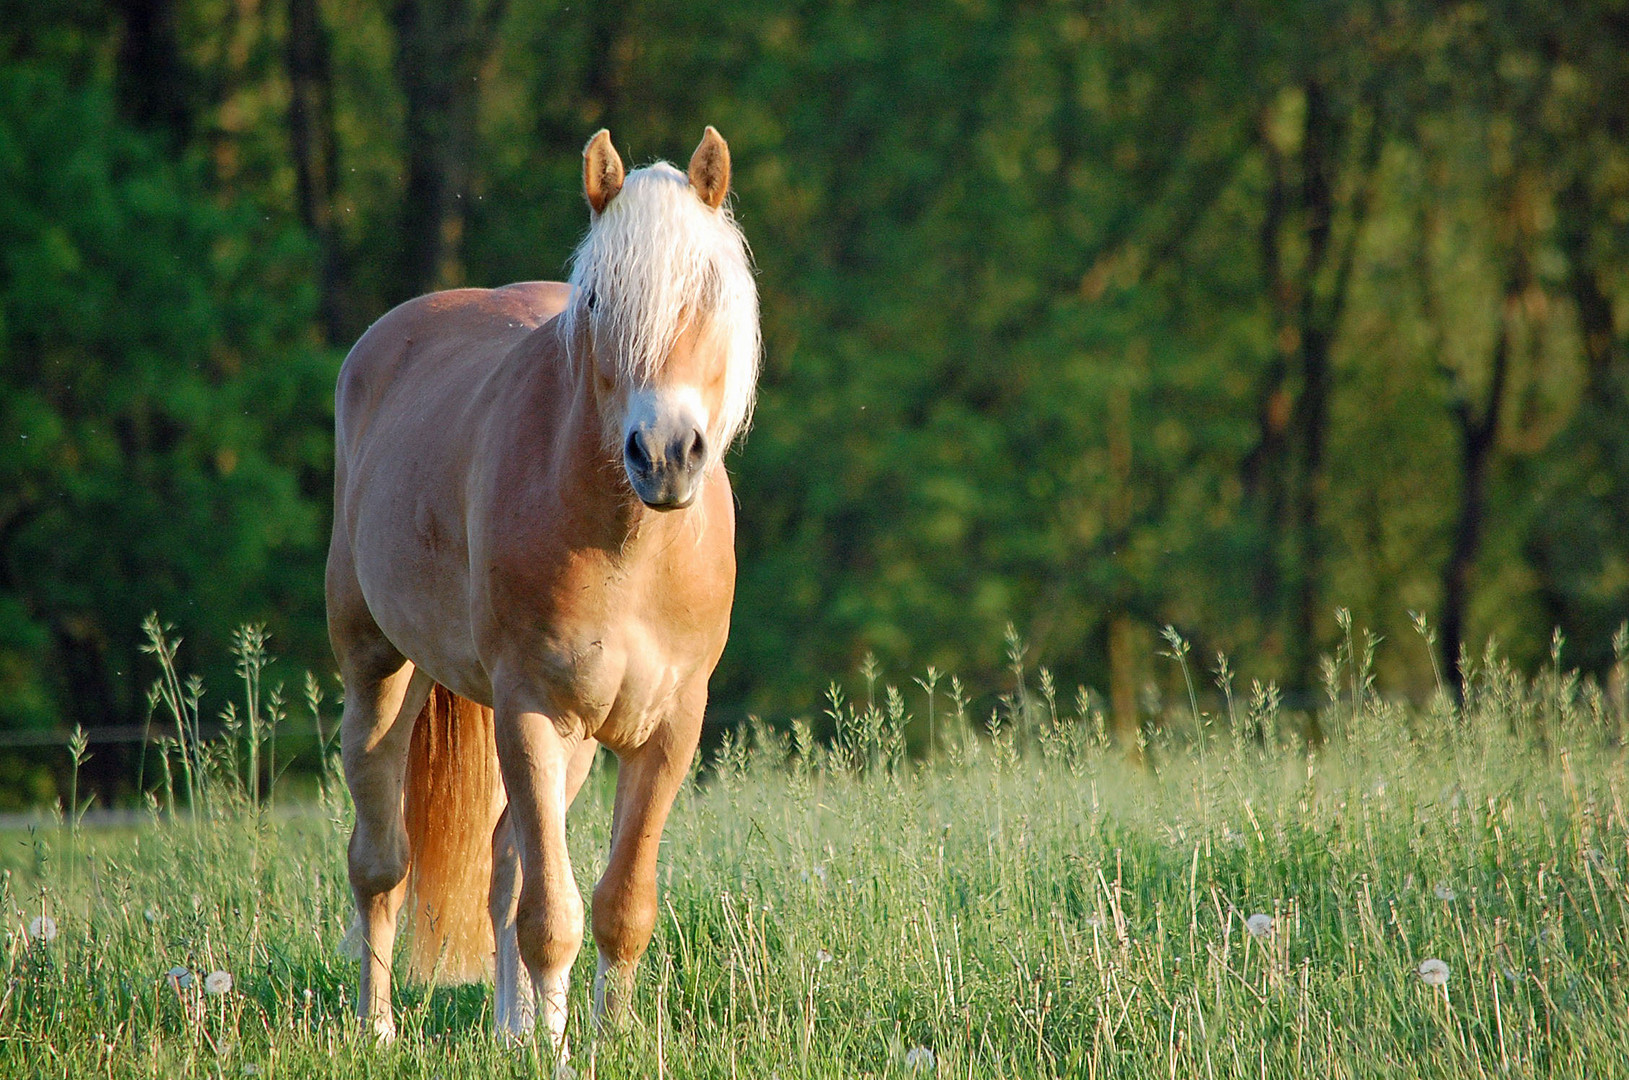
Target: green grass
(1026,905)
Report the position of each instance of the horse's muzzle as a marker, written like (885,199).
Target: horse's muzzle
(665,469)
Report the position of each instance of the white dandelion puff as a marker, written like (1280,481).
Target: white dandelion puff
(43,929)
(1434,972)
(1094,922)
(1444,892)
(1260,925)
(822,957)
(179,977)
(151,915)
(919,1059)
(217,982)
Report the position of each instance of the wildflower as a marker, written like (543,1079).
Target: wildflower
(1095,922)
(1444,892)
(919,1059)
(1260,925)
(179,977)
(43,929)
(822,957)
(1434,972)
(217,982)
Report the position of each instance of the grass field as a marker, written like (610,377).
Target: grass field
(1026,904)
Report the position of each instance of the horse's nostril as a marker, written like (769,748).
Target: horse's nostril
(695,449)
(637,457)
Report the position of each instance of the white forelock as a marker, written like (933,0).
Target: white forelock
(656,258)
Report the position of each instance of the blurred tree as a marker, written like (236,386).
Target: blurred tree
(164,407)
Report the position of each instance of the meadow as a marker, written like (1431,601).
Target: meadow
(1418,890)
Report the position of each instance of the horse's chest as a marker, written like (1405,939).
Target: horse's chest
(620,685)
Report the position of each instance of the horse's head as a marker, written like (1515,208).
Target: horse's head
(665,310)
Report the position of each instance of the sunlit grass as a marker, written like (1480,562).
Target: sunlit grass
(1432,892)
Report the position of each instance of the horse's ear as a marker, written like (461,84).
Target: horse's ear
(602,171)
(710,168)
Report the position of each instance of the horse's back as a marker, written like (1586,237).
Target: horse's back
(427,350)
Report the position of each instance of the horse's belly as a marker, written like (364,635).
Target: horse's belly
(421,611)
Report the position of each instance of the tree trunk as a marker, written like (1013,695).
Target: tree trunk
(316,155)
(441,46)
(1477,431)
(153,84)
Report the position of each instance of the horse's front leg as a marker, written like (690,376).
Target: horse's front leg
(548,911)
(514,1001)
(625,898)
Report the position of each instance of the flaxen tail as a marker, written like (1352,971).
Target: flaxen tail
(453,799)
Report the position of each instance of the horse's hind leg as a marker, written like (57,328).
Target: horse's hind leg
(376,731)
(625,898)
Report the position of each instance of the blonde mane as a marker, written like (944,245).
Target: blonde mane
(655,259)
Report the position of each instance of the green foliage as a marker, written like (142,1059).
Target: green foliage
(163,404)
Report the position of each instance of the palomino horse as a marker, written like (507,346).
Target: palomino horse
(533,556)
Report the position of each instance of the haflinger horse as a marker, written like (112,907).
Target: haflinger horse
(533,556)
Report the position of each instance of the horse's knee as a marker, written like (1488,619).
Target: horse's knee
(624,919)
(549,928)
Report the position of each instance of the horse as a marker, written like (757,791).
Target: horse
(533,556)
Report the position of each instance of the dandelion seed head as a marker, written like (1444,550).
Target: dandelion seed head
(217,982)
(1095,922)
(43,929)
(1444,892)
(151,915)
(1260,925)
(822,957)
(919,1059)
(1434,972)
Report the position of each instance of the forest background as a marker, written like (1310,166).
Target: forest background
(1083,317)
